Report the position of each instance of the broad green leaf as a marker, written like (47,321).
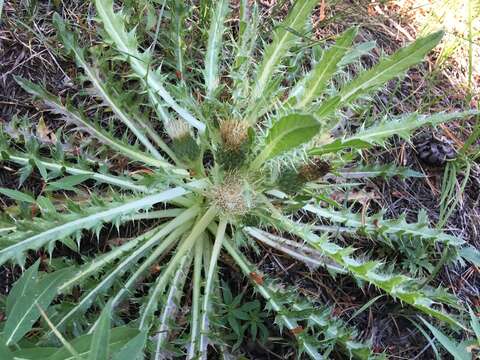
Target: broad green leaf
(5,353)
(17,195)
(284,38)
(36,353)
(312,86)
(132,350)
(286,134)
(101,336)
(453,348)
(22,286)
(24,312)
(68,182)
(82,345)
(390,67)
(215,34)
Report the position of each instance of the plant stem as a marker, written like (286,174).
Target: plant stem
(197,284)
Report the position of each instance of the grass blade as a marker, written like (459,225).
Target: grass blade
(101,336)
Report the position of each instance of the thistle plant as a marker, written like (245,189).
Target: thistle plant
(233,149)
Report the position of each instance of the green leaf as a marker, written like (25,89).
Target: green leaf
(68,182)
(390,67)
(101,336)
(286,134)
(82,345)
(36,353)
(378,170)
(5,352)
(215,46)
(475,323)
(377,135)
(127,45)
(24,312)
(132,350)
(284,38)
(17,195)
(471,254)
(450,345)
(59,231)
(22,286)
(312,86)
(74,116)
(101,90)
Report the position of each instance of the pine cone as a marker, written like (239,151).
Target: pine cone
(434,150)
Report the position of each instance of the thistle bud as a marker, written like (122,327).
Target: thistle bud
(231,197)
(235,143)
(314,170)
(290,181)
(183,143)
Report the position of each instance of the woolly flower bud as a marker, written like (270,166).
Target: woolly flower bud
(184,145)
(235,145)
(177,129)
(233,133)
(231,197)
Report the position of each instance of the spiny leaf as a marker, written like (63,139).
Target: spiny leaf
(378,170)
(63,166)
(378,134)
(215,46)
(70,43)
(398,286)
(283,38)
(75,117)
(127,44)
(311,87)
(390,67)
(249,20)
(17,195)
(59,231)
(68,182)
(377,225)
